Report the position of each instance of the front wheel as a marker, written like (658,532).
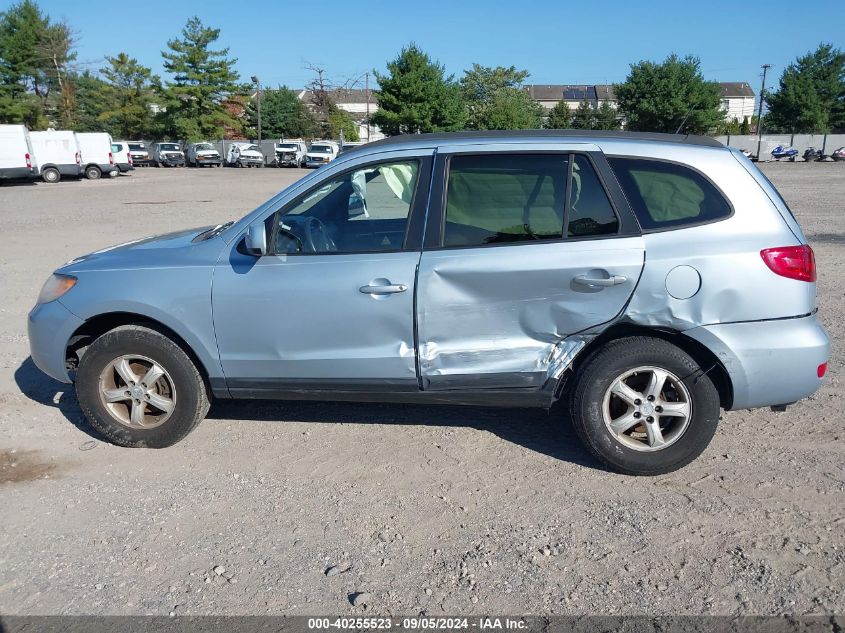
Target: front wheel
(140,389)
(644,407)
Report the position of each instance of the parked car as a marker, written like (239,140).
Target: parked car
(97,157)
(320,153)
(122,156)
(16,154)
(138,152)
(57,154)
(244,155)
(167,154)
(202,154)
(512,268)
(290,152)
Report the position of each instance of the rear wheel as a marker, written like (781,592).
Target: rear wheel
(51,174)
(140,389)
(644,407)
(93,172)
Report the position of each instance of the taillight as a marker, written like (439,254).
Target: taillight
(111,159)
(28,161)
(795,262)
(130,159)
(822,370)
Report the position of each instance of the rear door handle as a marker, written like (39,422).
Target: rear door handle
(613,280)
(388,289)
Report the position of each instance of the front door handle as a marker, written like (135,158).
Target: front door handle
(386,289)
(613,280)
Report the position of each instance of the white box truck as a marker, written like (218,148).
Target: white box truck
(97,158)
(17,160)
(57,154)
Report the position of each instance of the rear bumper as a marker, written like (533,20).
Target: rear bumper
(49,327)
(769,362)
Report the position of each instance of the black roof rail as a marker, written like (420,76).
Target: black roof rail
(689,139)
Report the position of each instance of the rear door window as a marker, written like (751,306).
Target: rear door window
(667,195)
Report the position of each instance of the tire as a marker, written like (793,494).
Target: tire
(51,175)
(632,452)
(93,172)
(187,392)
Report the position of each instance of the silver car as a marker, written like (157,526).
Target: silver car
(644,281)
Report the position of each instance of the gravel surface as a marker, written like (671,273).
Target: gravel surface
(315,508)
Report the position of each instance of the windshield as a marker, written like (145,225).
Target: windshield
(169,147)
(285,146)
(200,146)
(321,149)
(251,148)
(137,146)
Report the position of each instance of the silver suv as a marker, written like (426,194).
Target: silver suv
(646,281)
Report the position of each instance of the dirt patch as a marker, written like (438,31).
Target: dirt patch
(21,466)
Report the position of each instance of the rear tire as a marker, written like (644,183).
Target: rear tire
(666,442)
(51,175)
(119,404)
(93,172)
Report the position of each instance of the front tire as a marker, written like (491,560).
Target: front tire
(643,406)
(140,389)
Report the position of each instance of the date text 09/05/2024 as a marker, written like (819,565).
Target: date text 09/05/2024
(417,623)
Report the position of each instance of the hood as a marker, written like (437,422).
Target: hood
(207,152)
(136,254)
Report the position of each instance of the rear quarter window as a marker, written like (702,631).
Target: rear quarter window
(666,195)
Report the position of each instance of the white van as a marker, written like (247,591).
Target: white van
(97,158)
(57,154)
(122,156)
(17,160)
(244,155)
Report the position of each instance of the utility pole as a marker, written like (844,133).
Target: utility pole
(257,82)
(760,111)
(367,94)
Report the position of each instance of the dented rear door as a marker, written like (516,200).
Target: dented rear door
(521,252)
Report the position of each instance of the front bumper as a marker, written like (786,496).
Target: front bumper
(769,362)
(49,327)
(172,162)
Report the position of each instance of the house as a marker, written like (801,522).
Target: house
(737,97)
(361,104)
(549,95)
(737,100)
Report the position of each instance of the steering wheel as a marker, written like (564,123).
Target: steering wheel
(317,238)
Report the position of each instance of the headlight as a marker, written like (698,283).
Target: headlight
(55,287)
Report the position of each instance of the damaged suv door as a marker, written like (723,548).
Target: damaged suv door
(526,246)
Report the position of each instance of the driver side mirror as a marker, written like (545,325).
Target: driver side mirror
(255,240)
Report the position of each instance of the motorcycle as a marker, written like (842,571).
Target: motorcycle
(813,154)
(781,152)
(838,154)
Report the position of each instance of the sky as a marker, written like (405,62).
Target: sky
(558,42)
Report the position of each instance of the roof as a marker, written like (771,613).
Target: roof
(571,92)
(342,95)
(735,89)
(532,135)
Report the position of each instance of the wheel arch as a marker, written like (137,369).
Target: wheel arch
(98,325)
(702,355)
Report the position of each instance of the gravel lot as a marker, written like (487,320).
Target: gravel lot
(427,509)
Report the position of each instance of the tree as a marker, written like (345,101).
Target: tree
(488,93)
(560,116)
(126,96)
(416,96)
(584,117)
(89,101)
(202,79)
(607,118)
(340,121)
(811,94)
(510,109)
(668,96)
(35,55)
(282,114)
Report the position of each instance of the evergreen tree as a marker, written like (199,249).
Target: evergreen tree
(584,117)
(495,100)
(663,97)
(607,118)
(560,117)
(811,94)
(126,96)
(416,96)
(283,115)
(202,79)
